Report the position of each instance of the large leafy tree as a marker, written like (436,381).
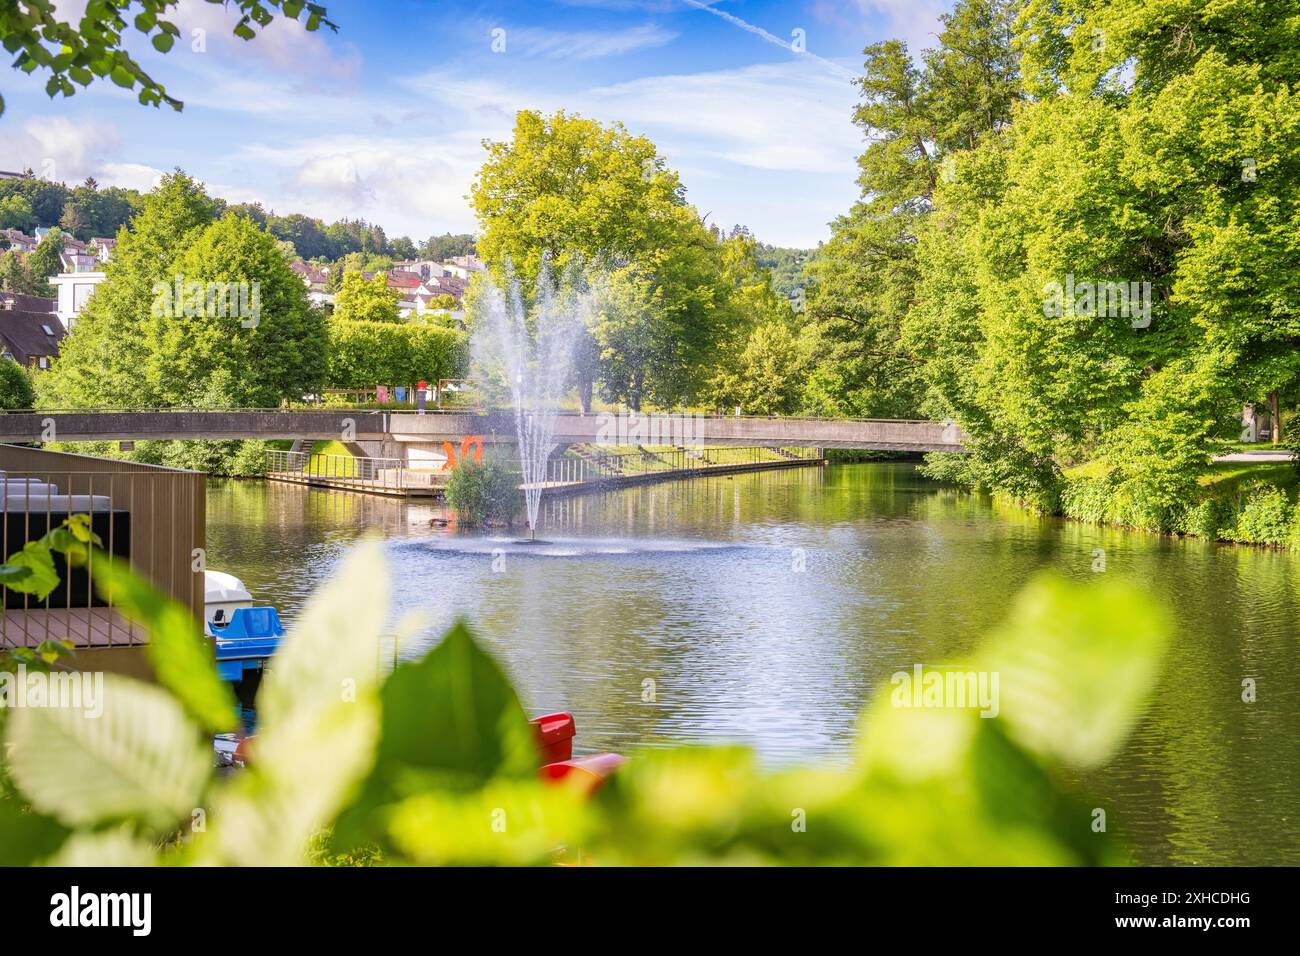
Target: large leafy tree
(567,190)
(100,361)
(273,347)
(72,55)
(1162,147)
(864,280)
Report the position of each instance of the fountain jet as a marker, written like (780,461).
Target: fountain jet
(532,352)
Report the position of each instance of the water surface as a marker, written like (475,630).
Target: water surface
(696,587)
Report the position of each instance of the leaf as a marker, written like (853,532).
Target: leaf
(13,572)
(1075,665)
(42,577)
(449,722)
(181,658)
(455,711)
(26,837)
(162,42)
(318,722)
(140,758)
(122,77)
(116,847)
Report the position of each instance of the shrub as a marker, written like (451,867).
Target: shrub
(483,493)
(1266,515)
(15,386)
(364,354)
(1087,499)
(1206,519)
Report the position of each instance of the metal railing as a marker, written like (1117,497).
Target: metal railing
(591,466)
(152,517)
(363,474)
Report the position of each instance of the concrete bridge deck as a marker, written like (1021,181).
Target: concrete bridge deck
(438,426)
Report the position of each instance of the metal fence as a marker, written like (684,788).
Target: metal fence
(150,516)
(595,465)
(390,475)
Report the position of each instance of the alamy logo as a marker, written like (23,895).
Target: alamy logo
(74,908)
(946,688)
(1087,300)
(67,690)
(212,300)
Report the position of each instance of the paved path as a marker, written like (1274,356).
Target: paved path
(1262,454)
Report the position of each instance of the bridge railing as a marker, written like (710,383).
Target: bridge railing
(371,474)
(289,410)
(596,465)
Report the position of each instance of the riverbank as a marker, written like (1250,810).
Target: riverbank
(1238,501)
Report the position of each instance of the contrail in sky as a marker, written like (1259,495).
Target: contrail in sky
(770,37)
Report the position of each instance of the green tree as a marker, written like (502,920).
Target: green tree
(94,47)
(15,386)
(102,358)
(567,191)
(46,260)
(16,213)
(1159,157)
(768,377)
(864,280)
(272,347)
(14,276)
(366,300)
(565,187)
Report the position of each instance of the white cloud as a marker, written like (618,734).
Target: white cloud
(129,176)
(585,44)
(283,46)
(916,21)
(788,123)
(57,148)
(791,116)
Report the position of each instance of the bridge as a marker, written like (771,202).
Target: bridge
(396,432)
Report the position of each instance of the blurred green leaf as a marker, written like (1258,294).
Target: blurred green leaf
(140,759)
(318,723)
(103,848)
(1076,663)
(25,836)
(449,721)
(182,660)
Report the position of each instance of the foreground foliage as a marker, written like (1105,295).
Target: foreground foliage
(434,763)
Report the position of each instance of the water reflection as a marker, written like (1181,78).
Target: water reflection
(695,586)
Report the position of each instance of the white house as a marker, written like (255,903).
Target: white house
(73,290)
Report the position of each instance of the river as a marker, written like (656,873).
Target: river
(767,607)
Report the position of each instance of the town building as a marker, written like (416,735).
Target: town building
(30,331)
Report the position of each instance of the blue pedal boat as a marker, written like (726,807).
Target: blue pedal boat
(245,636)
(246,641)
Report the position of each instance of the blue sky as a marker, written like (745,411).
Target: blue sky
(384,120)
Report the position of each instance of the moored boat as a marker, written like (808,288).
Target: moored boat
(245,635)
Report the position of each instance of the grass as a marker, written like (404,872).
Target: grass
(318,465)
(1226,478)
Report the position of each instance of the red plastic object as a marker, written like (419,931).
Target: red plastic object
(554,736)
(589,772)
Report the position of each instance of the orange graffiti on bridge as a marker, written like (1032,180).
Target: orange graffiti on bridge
(469,445)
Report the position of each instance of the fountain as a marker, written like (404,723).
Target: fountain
(532,352)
